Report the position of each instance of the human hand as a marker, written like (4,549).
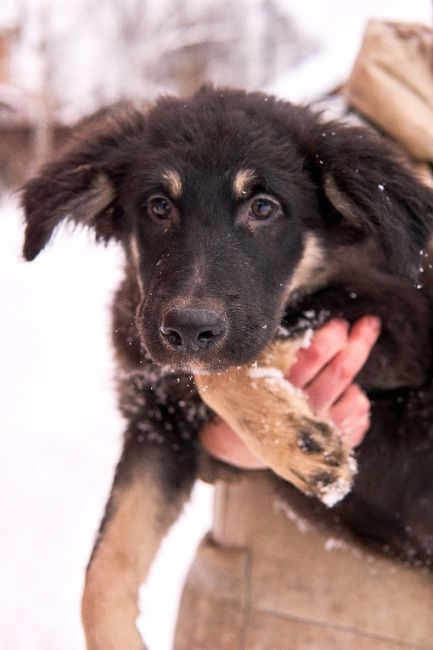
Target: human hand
(324,372)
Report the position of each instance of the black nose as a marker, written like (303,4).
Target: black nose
(192,329)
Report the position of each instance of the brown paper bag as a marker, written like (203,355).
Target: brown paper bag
(392,83)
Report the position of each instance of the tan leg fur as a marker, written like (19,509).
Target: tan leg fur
(127,545)
(277,425)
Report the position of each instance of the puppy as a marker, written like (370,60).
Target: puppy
(245,220)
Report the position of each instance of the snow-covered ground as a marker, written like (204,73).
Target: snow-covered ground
(60,431)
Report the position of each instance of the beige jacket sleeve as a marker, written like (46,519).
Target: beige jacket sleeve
(392,83)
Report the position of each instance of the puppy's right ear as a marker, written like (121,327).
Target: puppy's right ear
(82,185)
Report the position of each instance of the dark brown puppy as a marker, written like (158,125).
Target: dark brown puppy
(239,214)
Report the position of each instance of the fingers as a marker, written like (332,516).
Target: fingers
(325,372)
(327,341)
(221,441)
(338,374)
(351,415)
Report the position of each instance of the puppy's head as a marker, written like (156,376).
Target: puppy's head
(225,205)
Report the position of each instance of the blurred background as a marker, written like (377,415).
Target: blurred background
(61,59)
(60,432)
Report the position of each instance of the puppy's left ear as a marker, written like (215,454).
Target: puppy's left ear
(82,184)
(368,182)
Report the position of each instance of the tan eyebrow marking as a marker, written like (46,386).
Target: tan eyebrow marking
(242,182)
(173,182)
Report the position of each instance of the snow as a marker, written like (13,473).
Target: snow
(258,373)
(307,339)
(302,524)
(334,492)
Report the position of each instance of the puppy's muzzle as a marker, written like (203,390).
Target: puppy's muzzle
(192,330)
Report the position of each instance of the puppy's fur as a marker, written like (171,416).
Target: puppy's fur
(238,214)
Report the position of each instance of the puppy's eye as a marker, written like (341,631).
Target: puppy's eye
(160,207)
(262,208)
